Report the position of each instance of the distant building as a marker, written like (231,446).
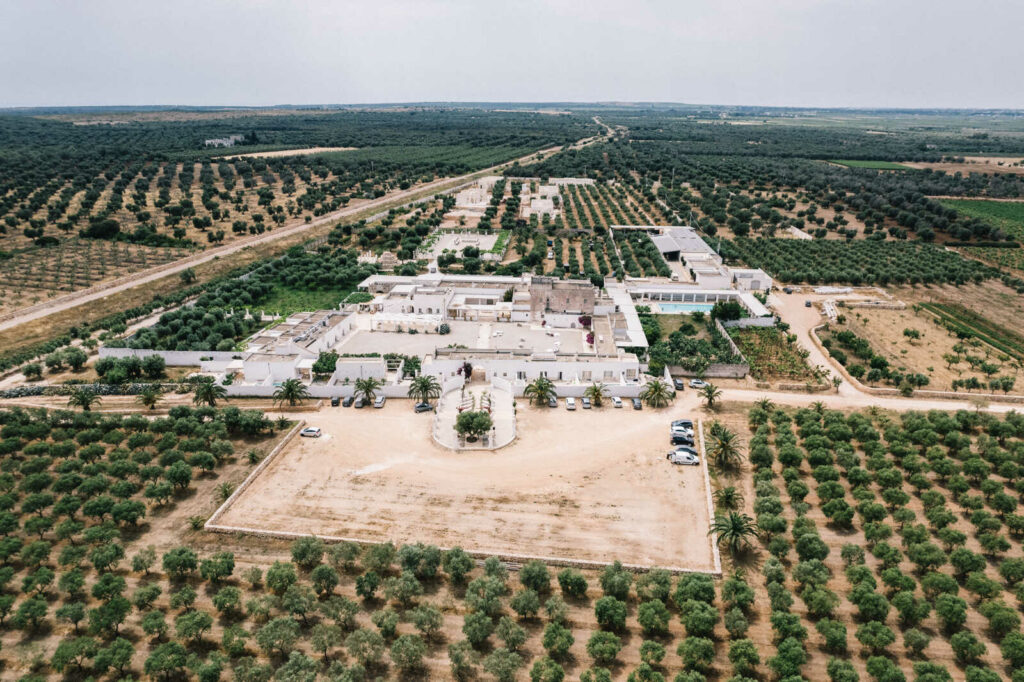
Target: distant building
(229,141)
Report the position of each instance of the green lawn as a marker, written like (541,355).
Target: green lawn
(1008,216)
(285,300)
(875,165)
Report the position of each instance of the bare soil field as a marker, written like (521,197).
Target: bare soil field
(974,164)
(884,330)
(992,299)
(589,485)
(288,152)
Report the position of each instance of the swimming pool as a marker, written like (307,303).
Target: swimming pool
(685,307)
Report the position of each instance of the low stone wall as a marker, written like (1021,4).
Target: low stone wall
(717,370)
(745,322)
(173,358)
(211,523)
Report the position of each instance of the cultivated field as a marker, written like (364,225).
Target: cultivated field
(593,486)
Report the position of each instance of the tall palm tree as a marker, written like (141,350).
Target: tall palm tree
(765,404)
(818,407)
(367,388)
(728,498)
(596,392)
(540,390)
(724,448)
(208,392)
(291,391)
(150,397)
(734,530)
(424,388)
(657,393)
(84,399)
(710,393)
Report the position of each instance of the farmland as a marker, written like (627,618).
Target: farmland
(902,549)
(772,355)
(860,262)
(1008,216)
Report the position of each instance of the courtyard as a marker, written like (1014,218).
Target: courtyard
(589,485)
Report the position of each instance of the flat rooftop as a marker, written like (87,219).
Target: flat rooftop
(471,335)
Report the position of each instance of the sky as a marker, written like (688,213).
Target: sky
(806,53)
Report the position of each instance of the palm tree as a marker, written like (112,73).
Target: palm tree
(84,399)
(150,397)
(291,391)
(657,393)
(596,393)
(724,449)
(540,391)
(734,530)
(765,404)
(710,393)
(367,388)
(424,388)
(728,498)
(208,392)
(818,407)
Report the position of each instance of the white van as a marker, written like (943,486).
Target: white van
(570,403)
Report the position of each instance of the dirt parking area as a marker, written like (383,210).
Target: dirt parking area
(588,485)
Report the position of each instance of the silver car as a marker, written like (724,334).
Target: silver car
(683,457)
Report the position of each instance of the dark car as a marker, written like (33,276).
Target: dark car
(359,403)
(552,402)
(335,401)
(681,439)
(423,407)
(679,384)
(637,405)
(347,402)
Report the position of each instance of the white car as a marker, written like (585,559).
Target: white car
(311,432)
(570,403)
(683,457)
(379,402)
(698,383)
(616,401)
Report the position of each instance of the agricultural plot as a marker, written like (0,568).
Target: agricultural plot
(968,324)
(1010,259)
(894,543)
(772,354)
(862,262)
(910,348)
(36,275)
(1007,216)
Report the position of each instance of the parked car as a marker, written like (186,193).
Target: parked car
(698,383)
(423,407)
(379,402)
(682,426)
(570,403)
(552,402)
(683,458)
(637,405)
(807,304)
(788,290)
(586,403)
(311,432)
(678,383)
(684,448)
(681,438)
(616,401)
(347,402)
(335,401)
(360,403)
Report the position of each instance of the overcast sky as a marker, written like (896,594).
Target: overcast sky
(861,53)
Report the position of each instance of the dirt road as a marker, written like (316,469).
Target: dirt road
(101,291)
